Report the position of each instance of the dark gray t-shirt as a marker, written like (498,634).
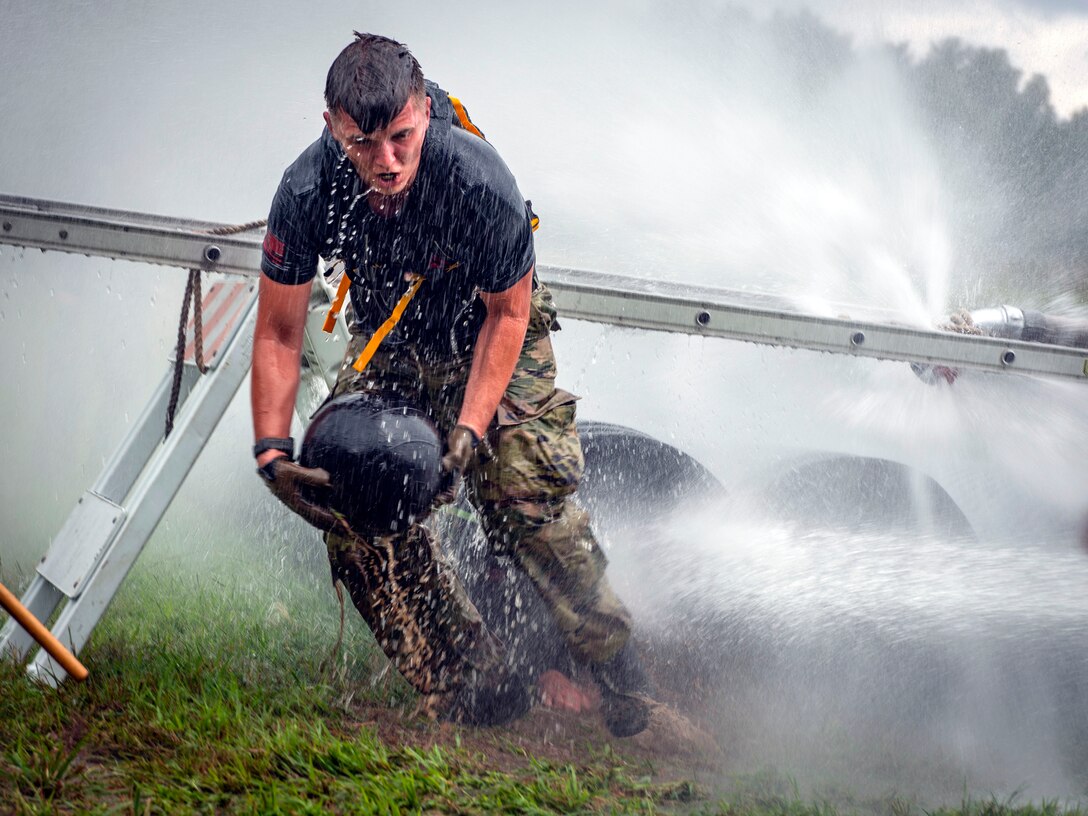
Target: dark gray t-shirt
(465,227)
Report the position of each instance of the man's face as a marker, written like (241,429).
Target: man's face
(387,160)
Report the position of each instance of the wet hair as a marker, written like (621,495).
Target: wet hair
(372,80)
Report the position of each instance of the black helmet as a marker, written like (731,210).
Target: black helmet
(384,460)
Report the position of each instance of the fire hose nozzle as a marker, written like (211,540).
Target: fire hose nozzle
(1000,321)
(1012,323)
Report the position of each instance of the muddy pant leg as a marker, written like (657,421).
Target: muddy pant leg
(521,485)
(410,602)
(552,542)
(409,596)
(426,625)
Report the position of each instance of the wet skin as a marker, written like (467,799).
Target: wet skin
(557,691)
(387,159)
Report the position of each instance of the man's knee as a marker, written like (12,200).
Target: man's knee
(555,534)
(553,543)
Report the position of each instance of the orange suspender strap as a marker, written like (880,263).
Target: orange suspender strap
(337,303)
(376,339)
(462,116)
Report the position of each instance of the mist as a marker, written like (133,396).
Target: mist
(754,150)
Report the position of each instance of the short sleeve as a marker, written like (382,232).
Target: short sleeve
(290,244)
(506,249)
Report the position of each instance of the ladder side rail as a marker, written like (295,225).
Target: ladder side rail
(168,243)
(100,512)
(858,338)
(14,204)
(612,299)
(126,463)
(163,477)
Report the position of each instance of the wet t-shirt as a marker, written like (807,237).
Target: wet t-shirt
(464,227)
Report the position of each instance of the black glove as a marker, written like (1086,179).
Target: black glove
(286,479)
(460,447)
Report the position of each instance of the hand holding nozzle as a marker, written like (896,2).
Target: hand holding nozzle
(1013,323)
(961,322)
(1000,321)
(1008,323)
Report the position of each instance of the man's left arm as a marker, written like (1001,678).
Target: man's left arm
(498,347)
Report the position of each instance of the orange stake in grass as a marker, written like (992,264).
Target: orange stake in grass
(57,650)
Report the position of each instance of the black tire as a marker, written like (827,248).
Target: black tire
(632,477)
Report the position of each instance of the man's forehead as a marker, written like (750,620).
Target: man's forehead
(344,120)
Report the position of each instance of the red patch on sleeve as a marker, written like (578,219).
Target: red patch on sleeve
(273,248)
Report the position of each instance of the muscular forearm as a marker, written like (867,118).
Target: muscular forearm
(274,387)
(497,349)
(277,345)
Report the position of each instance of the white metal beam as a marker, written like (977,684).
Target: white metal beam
(41,224)
(579,294)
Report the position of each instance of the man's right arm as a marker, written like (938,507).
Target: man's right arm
(277,348)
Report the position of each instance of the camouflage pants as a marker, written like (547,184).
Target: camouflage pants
(520,481)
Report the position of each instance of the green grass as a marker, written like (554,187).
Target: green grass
(212,694)
(216,695)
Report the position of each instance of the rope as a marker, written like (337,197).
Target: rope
(192,292)
(344,529)
(235,230)
(328,663)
